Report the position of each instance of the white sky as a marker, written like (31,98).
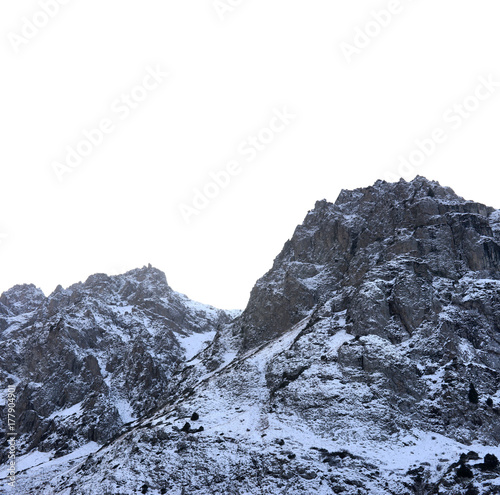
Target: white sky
(119,208)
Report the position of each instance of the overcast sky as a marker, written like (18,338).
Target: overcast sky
(195,135)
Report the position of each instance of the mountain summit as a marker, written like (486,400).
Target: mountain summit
(90,358)
(386,227)
(366,362)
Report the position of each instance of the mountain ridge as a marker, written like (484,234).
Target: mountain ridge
(349,371)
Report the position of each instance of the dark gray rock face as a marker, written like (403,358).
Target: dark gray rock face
(350,371)
(416,270)
(19,300)
(369,234)
(90,358)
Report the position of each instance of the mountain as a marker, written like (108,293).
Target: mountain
(366,362)
(91,358)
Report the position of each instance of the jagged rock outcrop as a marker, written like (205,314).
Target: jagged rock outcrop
(366,362)
(420,227)
(415,269)
(90,358)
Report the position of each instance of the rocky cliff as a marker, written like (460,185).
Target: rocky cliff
(88,359)
(366,362)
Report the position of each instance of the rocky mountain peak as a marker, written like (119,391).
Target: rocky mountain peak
(381,228)
(104,349)
(21,299)
(402,191)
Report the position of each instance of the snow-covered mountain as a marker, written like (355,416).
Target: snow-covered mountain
(366,362)
(91,358)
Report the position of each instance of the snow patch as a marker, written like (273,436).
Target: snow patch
(195,343)
(495,221)
(70,411)
(43,460)
(125,410)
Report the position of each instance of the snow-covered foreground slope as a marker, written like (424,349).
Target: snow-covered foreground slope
(366,362)
(300,434)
